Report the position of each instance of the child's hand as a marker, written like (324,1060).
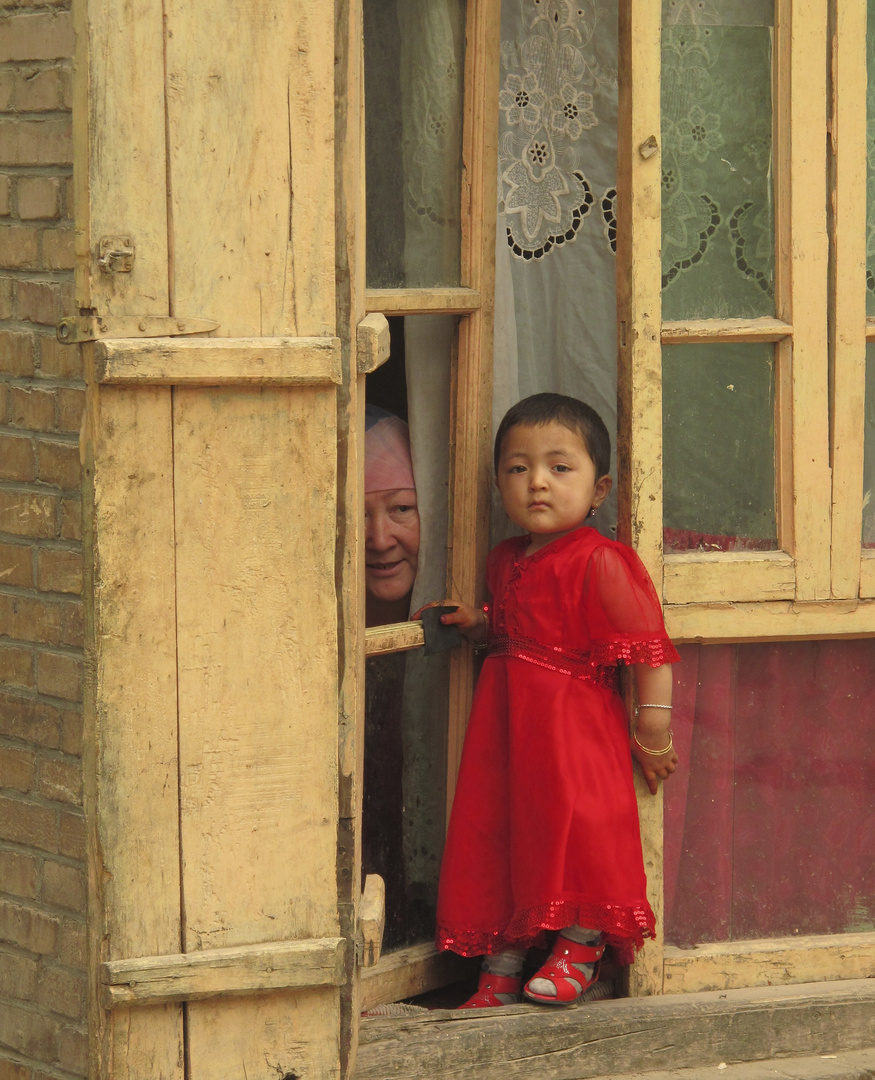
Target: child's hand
(470,620)
(655,767)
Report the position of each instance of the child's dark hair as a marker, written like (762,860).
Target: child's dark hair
(575,415)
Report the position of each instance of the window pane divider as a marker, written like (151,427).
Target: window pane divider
(446,301)
(736,331)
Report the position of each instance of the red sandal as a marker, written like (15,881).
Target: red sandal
(491,989)
(571,983)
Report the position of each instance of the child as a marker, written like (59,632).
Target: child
(544,830)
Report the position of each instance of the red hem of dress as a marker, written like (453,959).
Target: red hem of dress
(623,928)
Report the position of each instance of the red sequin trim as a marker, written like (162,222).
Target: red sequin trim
(623,928)
(598,665)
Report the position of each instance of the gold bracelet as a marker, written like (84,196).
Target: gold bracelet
(655,753)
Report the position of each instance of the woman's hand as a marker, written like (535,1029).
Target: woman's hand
(470,620)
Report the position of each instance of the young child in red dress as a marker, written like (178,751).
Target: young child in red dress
(544,831)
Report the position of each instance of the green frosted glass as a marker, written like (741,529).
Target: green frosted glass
(718,257)
(718,409)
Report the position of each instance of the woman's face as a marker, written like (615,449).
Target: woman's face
(391,542)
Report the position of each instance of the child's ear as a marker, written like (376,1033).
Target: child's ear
(602,489)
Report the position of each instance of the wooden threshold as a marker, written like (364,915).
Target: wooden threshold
(616,1037)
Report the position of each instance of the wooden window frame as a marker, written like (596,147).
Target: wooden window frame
(406,972)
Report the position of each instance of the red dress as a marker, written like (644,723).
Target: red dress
(544,827)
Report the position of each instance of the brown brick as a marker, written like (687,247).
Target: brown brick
(72,630)
(5,186)
(16,565)
(7,85)
(58,253)
(70,197)
(18,976)
(71,732)
(72,834)
(8,1069)
(17,458)
(61,992)
(74,1051)
(17,769)
(28,514)
(61,781)
(19,874)
(32,409)
(28,619)
(65,80)
(39,302)
(30,1033)
(16,669)
(6,300)
(71,518)
(36,142)
(19,247)
(27,823)
(37,197)
(58,464)
(73,950)
(16,353)
(59,571)
(37,90)
(59,675)
(64,886)
(71,404)
(46,36)
(57,360)
(35,721)
(28,929)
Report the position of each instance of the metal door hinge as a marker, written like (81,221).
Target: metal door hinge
(97,328)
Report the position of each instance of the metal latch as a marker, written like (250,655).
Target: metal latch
(95,327)
(115,254)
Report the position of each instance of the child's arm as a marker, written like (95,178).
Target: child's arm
(652,728)
(473,622)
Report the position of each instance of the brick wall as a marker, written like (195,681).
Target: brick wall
(42,876)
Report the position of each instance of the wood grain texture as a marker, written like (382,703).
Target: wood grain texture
(639,383)
(694,577)
(867,575)
(848,283)
(776,962)
(372,343)
(423,301)
(405,973)
(614,1038)
(218,361)
(131,766)
(282,965)
(770,621)
(737,331)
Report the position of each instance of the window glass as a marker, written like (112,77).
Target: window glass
(719,447)
(770,831)
(406,694)
(717,211)
(414,81)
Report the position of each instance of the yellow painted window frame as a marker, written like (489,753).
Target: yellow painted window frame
(820,584)
(417,969)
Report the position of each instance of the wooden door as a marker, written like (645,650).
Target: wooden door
(221,930)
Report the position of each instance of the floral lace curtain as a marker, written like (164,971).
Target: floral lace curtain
(555,248)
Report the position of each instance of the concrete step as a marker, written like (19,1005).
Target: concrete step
(853,1065)
(682,1036)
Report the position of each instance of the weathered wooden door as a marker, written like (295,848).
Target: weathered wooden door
(205,178)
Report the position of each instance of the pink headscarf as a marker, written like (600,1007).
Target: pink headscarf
(387,452)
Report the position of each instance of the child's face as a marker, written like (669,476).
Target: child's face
(548,481)
(391,543)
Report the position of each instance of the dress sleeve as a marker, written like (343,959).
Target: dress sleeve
(623,610)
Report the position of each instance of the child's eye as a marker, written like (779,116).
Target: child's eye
(517,469)
(562,468)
